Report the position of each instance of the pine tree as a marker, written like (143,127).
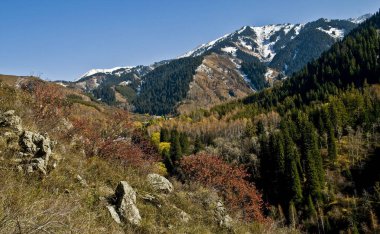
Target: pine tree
(197,145)
(175,147)
(331,143)
(311,211)
(164,135)
(184,141)
(295,182)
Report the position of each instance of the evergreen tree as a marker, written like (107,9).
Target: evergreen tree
(184,141)
(164,135)
(294,182)
(175,147)
(197,145)
(331,143)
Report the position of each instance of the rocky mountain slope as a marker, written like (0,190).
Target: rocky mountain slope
(258,57)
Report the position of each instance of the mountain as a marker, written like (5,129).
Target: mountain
(310,143)
(227,68)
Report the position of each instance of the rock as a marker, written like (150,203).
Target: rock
(126,203)
(10,120)
(160,183)
(221,216)
(184,217)
(30,151)
(82,181)
(152,199)
(114,214)
(39,147)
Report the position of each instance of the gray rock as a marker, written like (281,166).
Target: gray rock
(160,183)
(221,216)
(82,181)
(39,146)
(126,203)
(152,199)
(33,149)
(10,120)
(114,214)
(184,217)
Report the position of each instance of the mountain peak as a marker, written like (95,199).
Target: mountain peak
(360,19)
(105,71)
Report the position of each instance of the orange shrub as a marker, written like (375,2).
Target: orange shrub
(228,180)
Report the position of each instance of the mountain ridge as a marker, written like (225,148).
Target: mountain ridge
(261,56)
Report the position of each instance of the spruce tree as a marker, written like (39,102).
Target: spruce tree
(175,147)
(184,141)
(164,135)
(331,144)
(294,182)
(197,145)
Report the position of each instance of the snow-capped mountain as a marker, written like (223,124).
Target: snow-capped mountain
(257,41)
(286,42)
(115,70)
(229,67)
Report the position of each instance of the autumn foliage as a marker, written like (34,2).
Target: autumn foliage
(230,181)
(50,103)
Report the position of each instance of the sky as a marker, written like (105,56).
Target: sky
(63,39)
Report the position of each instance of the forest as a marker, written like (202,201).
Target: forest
(307,145)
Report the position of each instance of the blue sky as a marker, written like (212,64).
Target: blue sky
(62,39)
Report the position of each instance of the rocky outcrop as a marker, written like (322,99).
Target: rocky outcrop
(123,207)
(9,120)
(33,150)
(160,183)
(221,216)
(36,151)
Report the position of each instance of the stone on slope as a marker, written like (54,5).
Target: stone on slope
(160,183)
(126,203)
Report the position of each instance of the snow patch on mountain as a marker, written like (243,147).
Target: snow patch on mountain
(265,45)
(268,74)
(105,71)
(230,50)
(244,44)
(125,83)
(333,32)
(360,19)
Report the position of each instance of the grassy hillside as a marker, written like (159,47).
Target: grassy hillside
(97,146)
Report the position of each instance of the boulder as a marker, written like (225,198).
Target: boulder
(114,214)
(221,216)
(152,199)
(125,202)
(31,151)
(39,148)
(81,181)
(160,183)
(10,120)
(184,217)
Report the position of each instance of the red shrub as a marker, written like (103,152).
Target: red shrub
(90,133)
(228,180)
(50,102)
(146,145)
(126,153)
